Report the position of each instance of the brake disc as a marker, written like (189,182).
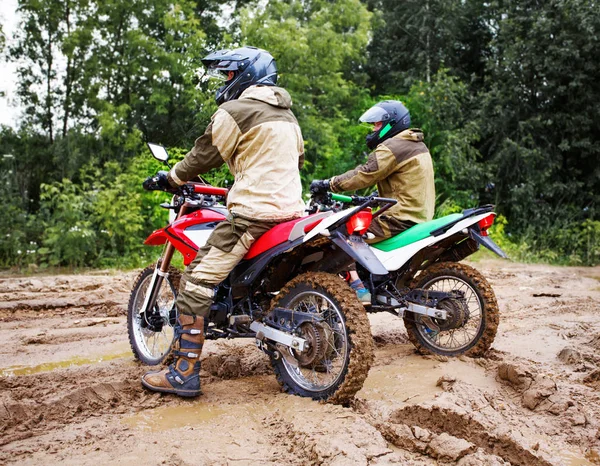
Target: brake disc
(153,322)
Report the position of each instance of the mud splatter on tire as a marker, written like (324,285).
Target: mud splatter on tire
(490,313)
(359,335)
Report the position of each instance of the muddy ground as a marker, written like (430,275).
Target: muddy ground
(70,390)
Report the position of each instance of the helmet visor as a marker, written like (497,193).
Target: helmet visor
(375,114)
(221,75)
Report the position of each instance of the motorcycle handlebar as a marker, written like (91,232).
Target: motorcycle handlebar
(361,203)
(357,200)
(200,188)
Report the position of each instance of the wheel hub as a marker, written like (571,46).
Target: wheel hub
(153,322)
(316,338)
(457,313)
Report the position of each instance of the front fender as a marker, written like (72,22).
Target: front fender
(156,238)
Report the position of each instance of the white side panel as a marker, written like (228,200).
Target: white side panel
(395,259)
(326,223)
(172,214)
(198,237)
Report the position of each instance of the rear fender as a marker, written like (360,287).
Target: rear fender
(358,250)
(393,260)
(487,242)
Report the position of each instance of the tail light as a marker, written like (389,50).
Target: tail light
(359,223)
(485,223)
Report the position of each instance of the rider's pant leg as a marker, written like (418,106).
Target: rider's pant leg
(226,246)
(384,227)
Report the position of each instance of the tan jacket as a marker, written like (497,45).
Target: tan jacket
(401,167)
(258,137)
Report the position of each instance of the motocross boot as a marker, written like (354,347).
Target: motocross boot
(183,376)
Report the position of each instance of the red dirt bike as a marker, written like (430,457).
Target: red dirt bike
(285,293)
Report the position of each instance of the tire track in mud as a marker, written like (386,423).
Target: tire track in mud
(38,403)
(447,421)
(35,404)
(21,311)
(317,434)
(493,426)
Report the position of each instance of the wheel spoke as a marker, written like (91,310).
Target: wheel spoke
(460,337)
(149,344)
(320,374)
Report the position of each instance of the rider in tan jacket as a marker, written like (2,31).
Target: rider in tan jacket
(401,167)
(256,134)
(259,139)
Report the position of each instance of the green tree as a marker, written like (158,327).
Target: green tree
(317,45)
(413,39)
(539,117)
(441,109)
(38,43)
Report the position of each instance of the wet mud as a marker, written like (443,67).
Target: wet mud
(70,390)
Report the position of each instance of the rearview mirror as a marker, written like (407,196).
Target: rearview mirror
(159,152)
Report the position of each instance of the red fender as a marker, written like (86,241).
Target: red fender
(156,238)
(174,233)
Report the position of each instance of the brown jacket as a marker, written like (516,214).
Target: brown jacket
(258,137)
(401,167)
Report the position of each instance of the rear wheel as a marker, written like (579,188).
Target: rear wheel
(340,347)
(151,332)
(472,323)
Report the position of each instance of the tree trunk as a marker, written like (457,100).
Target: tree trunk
(49,114)
(427,44)
(69,75)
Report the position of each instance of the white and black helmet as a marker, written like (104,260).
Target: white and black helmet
(394,116)
(250,66)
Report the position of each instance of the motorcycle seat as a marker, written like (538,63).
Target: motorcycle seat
(287,231)
(416,233)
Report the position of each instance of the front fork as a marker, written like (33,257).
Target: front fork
(161,271)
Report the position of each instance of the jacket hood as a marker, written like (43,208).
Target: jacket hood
(272,95)
(412,134)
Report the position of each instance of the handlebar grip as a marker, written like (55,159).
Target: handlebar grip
(340,198)
(200,188)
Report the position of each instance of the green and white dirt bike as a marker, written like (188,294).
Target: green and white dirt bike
(448,307)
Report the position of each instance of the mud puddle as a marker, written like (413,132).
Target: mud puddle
(573,458)
(68,363)
(414,379)
(199,412)
(70,390)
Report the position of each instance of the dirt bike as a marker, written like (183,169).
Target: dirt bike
(448,307)
(285,293)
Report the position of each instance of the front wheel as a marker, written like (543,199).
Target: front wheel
(340,347)
(479,315)
(151,332)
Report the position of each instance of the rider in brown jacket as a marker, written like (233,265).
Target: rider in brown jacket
(256,134)
(401,167)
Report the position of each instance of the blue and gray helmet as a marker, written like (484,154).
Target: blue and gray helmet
(240,68)
(394,116)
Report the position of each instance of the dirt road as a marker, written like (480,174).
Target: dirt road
(70,390)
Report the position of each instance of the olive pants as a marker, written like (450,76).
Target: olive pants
(225,248)
(384,227)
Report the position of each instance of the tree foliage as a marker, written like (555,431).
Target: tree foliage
(506,92)
(329,39)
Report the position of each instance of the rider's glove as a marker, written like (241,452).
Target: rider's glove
(319,186)
(158,182)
